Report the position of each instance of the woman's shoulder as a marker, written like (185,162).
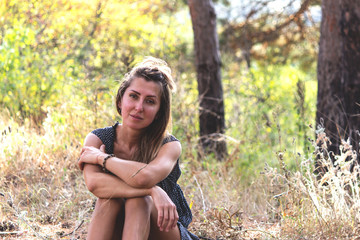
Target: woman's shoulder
(169,138)
(107,135)
(105,130)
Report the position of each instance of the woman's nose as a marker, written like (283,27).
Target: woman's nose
(139,106)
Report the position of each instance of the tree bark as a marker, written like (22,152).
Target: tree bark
(208,67)
(338,105)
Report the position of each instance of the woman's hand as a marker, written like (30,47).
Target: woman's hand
(167,213)
(91,155)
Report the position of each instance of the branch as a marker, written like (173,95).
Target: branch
(73,231)
(272,34)
(11,233)
(258,230)
(17,214)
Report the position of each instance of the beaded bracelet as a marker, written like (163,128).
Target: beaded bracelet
(104,162)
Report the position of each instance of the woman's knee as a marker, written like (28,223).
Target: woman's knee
(141,203)
(115,204)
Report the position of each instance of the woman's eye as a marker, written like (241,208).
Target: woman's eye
(150,101)
(133,96)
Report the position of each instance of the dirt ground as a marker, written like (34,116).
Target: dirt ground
(78,230)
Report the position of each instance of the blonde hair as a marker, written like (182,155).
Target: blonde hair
(156,70)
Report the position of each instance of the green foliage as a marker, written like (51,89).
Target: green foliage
(31,76)
(69,50)
(268,109)
(64,57)
(60,65)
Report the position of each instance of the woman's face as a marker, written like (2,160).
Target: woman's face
(140,103)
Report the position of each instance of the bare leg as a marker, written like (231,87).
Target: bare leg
(105,218)
(156,234)
(137,218)
(141,221)
(119,226)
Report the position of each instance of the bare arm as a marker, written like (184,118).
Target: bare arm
(104,185)
(135,174)
(141,175)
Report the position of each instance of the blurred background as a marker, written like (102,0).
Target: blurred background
(61,63)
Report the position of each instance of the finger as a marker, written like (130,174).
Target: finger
(81,165)
(102,148)
(165,221)
(160,218)
(176,219)
(83,150)
(81,156)
(171,220)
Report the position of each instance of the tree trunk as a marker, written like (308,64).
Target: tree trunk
(338,106)
(208,67)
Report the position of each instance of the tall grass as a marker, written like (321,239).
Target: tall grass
(315,204)
(43,195)
(40,182)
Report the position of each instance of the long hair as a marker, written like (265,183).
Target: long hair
(156,70)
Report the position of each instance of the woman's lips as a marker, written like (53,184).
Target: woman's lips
(136,117)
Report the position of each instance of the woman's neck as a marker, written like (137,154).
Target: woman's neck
(128,137)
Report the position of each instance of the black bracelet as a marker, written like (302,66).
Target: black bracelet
(104,162)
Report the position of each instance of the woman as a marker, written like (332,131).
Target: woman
(133,167)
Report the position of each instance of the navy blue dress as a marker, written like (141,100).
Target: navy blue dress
(108,135)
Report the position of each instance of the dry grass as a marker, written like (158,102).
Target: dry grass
(318,206)
(43,195)
(40,181)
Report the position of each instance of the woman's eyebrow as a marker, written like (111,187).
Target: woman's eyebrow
(154,96)
(135,91)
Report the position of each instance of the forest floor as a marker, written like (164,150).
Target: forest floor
(43,194)
(78,230)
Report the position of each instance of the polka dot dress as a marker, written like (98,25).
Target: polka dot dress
(169,184)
